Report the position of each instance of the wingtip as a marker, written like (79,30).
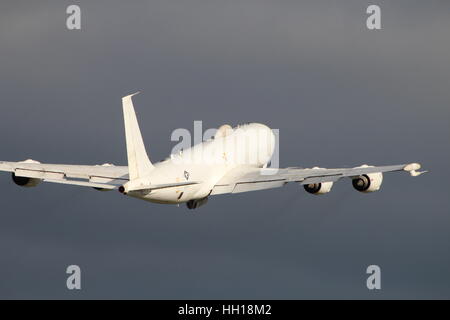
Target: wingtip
(413,168)
(415,173)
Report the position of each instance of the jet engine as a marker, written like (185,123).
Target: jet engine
(194,204)
(370,182)
(25,182)
(318,188)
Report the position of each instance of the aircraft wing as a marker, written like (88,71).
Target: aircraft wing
(244,180)
(106,177)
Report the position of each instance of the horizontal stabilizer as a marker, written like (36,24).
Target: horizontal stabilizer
(165,186)
(83,184)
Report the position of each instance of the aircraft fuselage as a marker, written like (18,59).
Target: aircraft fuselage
(251,145)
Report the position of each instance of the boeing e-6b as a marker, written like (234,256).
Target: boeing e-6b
(235,160)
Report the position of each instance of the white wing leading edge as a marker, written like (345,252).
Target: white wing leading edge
(243,180)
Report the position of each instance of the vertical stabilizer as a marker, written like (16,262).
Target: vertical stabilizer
(139,164)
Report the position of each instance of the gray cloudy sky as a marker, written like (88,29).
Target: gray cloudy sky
(340,94)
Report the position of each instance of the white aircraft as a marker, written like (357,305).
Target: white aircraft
(189,178)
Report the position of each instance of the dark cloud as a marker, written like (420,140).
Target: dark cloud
(341,96)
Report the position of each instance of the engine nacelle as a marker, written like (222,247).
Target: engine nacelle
(318,188)
(370,182)
(194,204)
(25,182)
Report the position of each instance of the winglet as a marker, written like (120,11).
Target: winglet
(412,169)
